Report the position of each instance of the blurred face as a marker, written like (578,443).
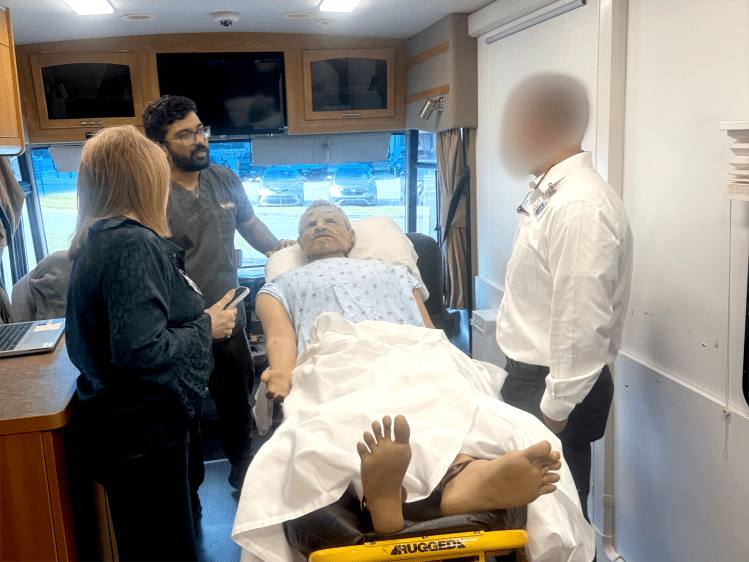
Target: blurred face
(189,158)
(529,137)
(323,232)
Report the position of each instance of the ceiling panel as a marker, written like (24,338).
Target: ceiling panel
(37,21)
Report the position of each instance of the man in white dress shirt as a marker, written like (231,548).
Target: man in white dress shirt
(568,280)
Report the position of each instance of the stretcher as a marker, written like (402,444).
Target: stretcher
(476,546)
(342,532)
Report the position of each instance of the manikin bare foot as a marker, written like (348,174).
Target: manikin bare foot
(515,479)
(384,461)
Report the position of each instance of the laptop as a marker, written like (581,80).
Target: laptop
(24,338)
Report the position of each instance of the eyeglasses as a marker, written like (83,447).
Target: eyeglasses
(188,138)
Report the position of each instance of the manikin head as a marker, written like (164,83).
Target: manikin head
(170,118)
(544,123)
(325,231)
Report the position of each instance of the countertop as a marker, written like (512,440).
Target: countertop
(36,391)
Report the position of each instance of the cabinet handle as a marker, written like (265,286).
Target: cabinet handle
(351,114)
(92,122)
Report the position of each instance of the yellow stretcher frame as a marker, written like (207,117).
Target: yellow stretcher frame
(474,546)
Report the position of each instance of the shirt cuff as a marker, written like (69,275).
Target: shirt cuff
(556,409)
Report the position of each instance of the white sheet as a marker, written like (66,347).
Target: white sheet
(353,374)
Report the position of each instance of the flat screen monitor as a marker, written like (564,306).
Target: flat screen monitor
(236,93)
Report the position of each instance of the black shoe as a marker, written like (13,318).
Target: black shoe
(237,474)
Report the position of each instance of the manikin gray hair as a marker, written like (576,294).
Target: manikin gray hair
(323,203)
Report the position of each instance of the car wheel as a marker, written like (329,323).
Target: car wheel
(375,201)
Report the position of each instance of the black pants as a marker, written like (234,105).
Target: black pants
(524,388)
(230,386)
(149,499)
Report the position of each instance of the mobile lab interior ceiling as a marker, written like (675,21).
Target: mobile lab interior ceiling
(38,21)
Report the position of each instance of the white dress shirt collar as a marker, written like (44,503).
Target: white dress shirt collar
(561,170)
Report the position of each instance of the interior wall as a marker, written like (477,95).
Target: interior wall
(687,70)
(566,44)
(681,463)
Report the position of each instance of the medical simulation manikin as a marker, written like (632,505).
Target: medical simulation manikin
(325,235)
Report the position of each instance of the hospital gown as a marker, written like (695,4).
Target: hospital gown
(356,289)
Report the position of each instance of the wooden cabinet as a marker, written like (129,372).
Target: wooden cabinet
(11,125)
(78,91)
(346,90)
(349,83)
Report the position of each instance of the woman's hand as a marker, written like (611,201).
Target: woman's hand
(222,321)
(278,383)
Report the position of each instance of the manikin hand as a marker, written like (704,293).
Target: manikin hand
(283,243)
(278,383)
(555,426)
(222,321)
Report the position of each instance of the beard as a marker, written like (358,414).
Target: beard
(198,160)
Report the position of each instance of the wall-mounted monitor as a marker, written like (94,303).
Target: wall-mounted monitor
(236,93)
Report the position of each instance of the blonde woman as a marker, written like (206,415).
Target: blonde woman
(138,332)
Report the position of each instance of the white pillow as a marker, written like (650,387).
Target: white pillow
(377,238)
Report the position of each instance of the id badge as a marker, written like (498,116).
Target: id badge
(190,282)
(540,206)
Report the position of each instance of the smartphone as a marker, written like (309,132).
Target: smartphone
(240,293)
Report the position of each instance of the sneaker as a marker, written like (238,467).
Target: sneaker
(237,474)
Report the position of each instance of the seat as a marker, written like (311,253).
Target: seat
(343,531)
(430,267)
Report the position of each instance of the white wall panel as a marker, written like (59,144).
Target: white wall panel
(567,44)
(687,70)
(678,498)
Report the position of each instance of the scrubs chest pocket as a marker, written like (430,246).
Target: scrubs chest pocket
(522,270)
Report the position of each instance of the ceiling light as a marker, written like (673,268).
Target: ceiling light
(90,7)
(338,5)
(430,106)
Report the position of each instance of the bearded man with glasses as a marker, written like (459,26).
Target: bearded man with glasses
(207,203)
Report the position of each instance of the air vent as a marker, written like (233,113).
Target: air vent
(296,16)
(138,17)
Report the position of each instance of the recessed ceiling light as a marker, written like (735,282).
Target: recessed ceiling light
(138,17)
(90,7)
(338,5)
(296,16)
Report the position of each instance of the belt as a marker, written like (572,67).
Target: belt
(527,367)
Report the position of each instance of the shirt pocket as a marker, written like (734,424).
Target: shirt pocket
(522,270)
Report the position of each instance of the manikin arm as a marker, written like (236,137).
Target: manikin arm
(281,346)
(423,309)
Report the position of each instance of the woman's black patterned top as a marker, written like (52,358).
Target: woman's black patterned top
(136,329)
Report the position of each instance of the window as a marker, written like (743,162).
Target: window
(57,200)
(279,194)
(427,192)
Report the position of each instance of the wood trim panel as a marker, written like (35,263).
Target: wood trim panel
(428,54)
(438,91)
(59,494)
(27,532)
(4,28)
(13,145)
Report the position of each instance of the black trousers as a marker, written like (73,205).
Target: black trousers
(149,499)
(230,386)
(524,388)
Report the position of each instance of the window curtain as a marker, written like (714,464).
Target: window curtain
(454,248)
(11,204)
